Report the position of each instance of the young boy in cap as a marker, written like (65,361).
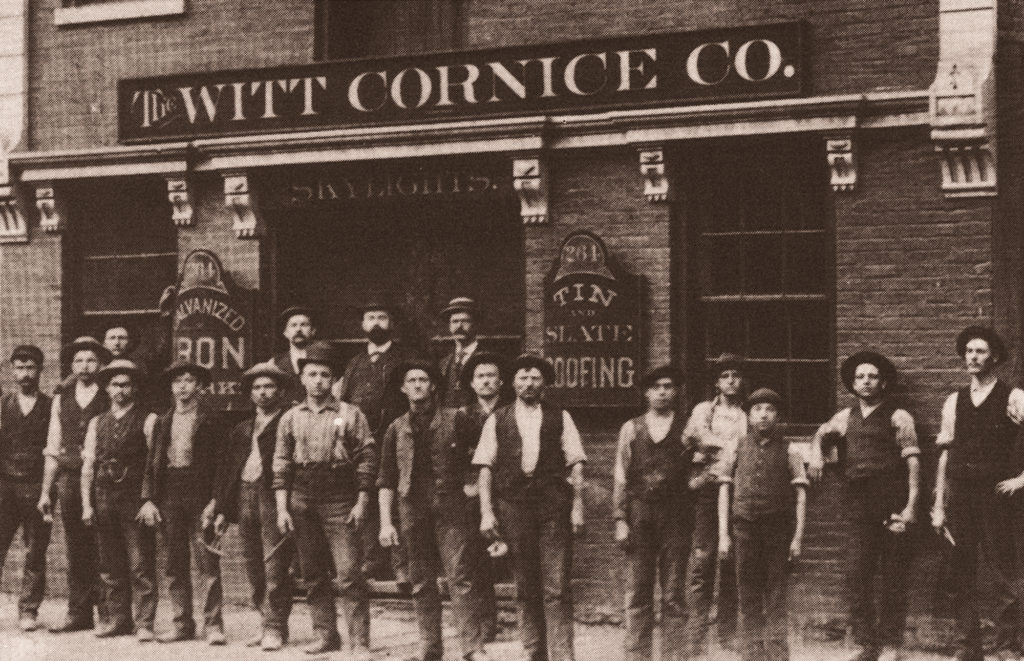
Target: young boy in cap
(325,465)
(653,511)
(974,478)
(24,418)
(461,314)
(424,462)
(714,428)
(244,495)
(177,488)
(72,409)
(113,464)
(534,453)
(882,468)
(762,476)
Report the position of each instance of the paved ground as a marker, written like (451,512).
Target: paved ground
(394,637)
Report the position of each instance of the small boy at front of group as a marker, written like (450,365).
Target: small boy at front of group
(768,507)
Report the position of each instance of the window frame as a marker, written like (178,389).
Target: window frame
(105,11)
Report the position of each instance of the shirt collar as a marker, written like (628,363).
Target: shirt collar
(468,349)
(122,412)
(331,404)
(372,348)
(865,411)
(81,388)
(192,408)
(523,407)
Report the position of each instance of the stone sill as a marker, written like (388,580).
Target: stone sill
(117,10)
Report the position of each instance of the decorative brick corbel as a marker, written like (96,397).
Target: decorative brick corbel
(241,200)
(179,194)
(530,181)
(51,209)
(842,162)
(13,226)
(962,103)
(652,168)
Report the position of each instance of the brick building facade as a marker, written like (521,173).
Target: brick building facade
(877,204)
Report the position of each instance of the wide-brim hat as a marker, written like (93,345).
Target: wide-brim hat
(726,361)
(662,372)
(401,369)
(530,361)
(85,342)
(478,358)
(28,352)
(763,395)
(121,366)
(849,367)
(181,366)
(460,304)
(282,378)
(288,313)
(995,343)
(320,353)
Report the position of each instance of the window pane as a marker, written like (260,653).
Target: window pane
(762,199)
(810,329)
(812,392)
(723,272)
(768,331)
(763,260)
(807,263)
(767,375)
(726,329)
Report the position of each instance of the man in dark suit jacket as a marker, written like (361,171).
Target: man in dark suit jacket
(462,315)
(244,495)
(298,325)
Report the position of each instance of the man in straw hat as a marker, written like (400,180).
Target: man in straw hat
(298,325)
(974,478)
(882,468)
(177,488)
(653,510)
(531,460)
(714,428)
(113,464)
(462,315)
(244,495)
(325,466)
(72,409)
(24,417)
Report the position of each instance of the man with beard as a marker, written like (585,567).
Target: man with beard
(113,464)
(24,417)
(299,328)
(72,409)
(462,314)
(532,454)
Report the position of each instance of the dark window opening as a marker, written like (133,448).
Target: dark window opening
(379,28)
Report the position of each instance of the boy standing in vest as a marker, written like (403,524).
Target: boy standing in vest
(114,462)
(73,407)
(653,511)
(24,417)
(177,488)
(533,455)
(423,460)
(763,475)
(974,477)
(882,474)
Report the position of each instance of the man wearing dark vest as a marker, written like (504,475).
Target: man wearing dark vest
(974,478)
(462,315)
(532,454)
(325,465)
(72,409)
(178,488)
(24,418)
(882,469)
(245,496)
(653,510)
(299,328)
(113,463)
(425,462)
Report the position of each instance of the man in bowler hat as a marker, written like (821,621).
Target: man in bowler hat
(298,325)
(462,315)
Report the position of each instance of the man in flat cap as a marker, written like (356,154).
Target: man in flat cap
(714,429)
(244,495)
(653,510)
(24,418)
(177,490)
(764,493)
(974,478)
(325,466)
(72,409)
(531,461)
(462,315)
(424,461)
(882,469)
(298,325)
(113,465)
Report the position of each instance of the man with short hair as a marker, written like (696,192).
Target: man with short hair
(424,461)
(653,510)
(177,491)
(325,465)
(298,326)
(113,465)
(245,496)
(24,418)
(974,478)
(462,314)
(531,461)
(882,476)
(72,408)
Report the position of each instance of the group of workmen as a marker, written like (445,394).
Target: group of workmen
(437,460)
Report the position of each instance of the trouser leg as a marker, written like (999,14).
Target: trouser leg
(727,600)
(460,556)
(250,535)
(10,519)
(179,559)
(964,522)
(277,604)
(36,534)
(556,566)
(676,527)
(521,528)
(210,589)
(750,580)
(1000,555)
(80,547)
(641,558)
(140,543)
(700,569)
(897,555)
(777,533)
(418,534)
(113,557)
(313,548)
(347,552)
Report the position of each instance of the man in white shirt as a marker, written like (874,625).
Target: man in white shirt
(532,456)
(974,479)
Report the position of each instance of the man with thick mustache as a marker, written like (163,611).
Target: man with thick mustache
(462,315)
(298,327)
